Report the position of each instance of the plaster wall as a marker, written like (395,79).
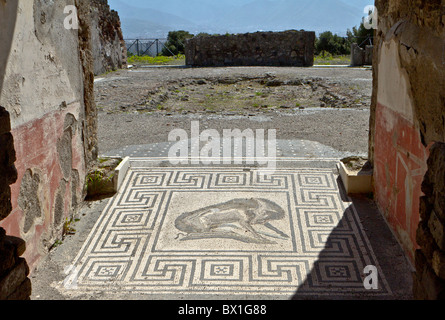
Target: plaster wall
(400,157)
(43,91)
(408,133)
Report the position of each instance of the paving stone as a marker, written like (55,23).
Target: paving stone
(309,150)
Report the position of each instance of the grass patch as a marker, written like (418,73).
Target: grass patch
(67,227)
(100,179)
(325,58)
(159,60)
(99,183)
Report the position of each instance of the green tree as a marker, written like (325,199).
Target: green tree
(176,42)
(203,34)
(360,35)
(332,43)
(327,42)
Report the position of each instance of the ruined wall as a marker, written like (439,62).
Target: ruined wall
(289,48)
(429,281)
(408,117)
(47,90)
(85,45)
(109,49)
(14,270)
(361,56)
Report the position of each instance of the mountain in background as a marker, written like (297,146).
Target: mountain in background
(155,18)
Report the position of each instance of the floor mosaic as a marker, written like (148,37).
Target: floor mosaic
(199,231)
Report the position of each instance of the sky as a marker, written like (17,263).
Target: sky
(360,4)
(157,17)
(146,3)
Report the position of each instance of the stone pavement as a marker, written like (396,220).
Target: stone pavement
(302,150)
(227,233)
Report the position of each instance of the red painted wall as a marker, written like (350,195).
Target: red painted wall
(36,148)
(399,168)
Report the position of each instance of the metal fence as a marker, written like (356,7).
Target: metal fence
(369,40)
(146,47)
(153,47)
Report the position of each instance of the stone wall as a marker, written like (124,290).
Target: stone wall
(14,281)
(429,281)
(8,172)
(361,56)
(85,48)
(47,88)
(408,132)
(289,48)
(109,49)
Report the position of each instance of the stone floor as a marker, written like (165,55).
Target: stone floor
(228,233)
(293,149)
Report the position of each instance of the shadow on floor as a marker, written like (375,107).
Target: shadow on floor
(336,270)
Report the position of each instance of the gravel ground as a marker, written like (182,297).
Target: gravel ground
(326,105)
